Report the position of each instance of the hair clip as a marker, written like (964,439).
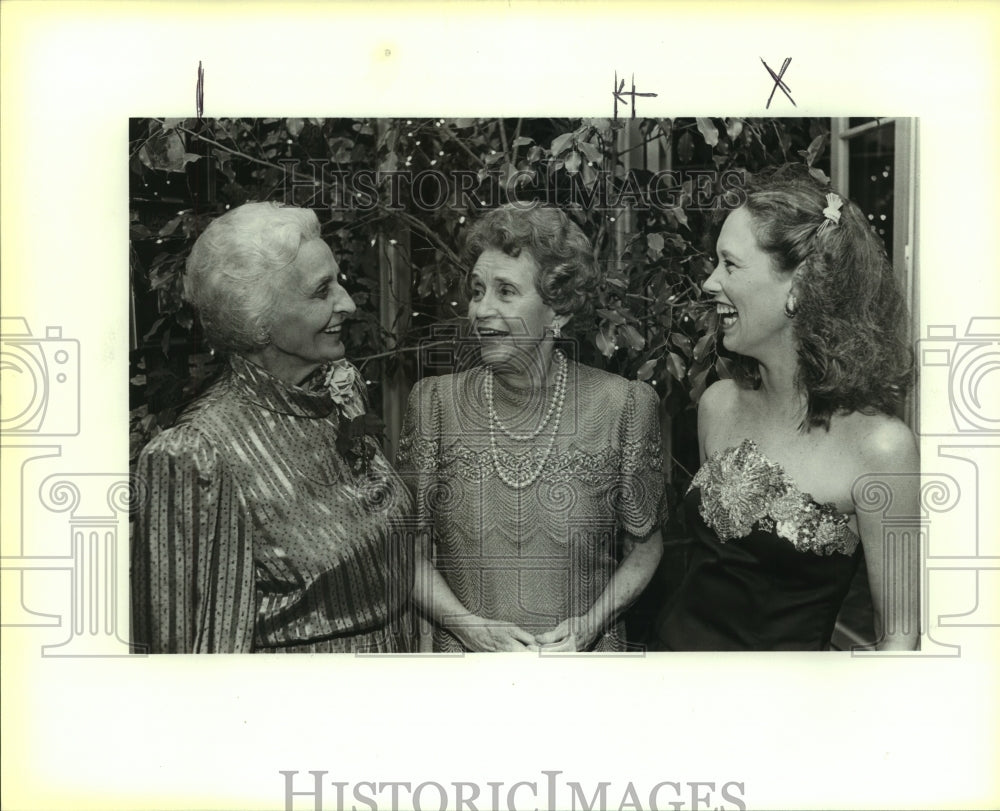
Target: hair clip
(832,211)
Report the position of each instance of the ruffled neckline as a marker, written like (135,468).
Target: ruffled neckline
(257,385)
(741,489)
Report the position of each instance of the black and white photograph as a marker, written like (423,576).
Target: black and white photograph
(559,330)
(602,400)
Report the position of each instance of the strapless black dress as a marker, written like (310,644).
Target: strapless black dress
(770,566)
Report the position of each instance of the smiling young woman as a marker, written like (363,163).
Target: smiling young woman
(750,294)
(809,307)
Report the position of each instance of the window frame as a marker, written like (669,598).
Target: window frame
(904,212)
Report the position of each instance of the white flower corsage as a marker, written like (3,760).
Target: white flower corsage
(344,382)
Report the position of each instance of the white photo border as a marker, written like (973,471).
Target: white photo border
(797,731)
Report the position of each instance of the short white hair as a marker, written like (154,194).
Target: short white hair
(235,267)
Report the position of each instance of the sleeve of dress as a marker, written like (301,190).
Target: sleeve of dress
(417,458)
(192,577)
(642,499)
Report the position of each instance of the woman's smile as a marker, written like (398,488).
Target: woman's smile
(727,314)
(489,332)
(309,296)
(748,291)
(507,313)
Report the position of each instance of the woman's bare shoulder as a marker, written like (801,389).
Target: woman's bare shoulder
(719,400)
(718,408)
(879,442)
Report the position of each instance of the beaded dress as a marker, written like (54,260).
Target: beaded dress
(537,554)
(770,566)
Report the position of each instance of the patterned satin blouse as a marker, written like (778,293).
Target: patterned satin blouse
(257,537)
(770,566)
(538,555)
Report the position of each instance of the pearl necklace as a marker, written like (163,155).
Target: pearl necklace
(555,407)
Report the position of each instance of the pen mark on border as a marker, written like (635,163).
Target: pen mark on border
(619,93)
(199,92)
(778,81)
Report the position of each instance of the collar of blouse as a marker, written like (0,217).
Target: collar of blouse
(258,386)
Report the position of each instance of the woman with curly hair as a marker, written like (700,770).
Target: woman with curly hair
(533,475)
(808,305)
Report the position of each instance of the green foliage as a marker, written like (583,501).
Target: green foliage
(650,322)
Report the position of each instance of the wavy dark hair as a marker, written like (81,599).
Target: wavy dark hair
(850,320)
(567,275)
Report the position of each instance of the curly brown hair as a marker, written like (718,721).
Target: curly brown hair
(567,275)
(851,319)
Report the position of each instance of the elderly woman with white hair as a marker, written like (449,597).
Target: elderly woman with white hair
(273,523)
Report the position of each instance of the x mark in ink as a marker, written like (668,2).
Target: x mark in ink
(778,81)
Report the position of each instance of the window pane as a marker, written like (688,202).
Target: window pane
(871,178)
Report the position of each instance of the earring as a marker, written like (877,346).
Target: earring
(791,305)
(262,338)
(556,331)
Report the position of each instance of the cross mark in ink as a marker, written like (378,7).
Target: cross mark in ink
(619,93)
(778,82)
